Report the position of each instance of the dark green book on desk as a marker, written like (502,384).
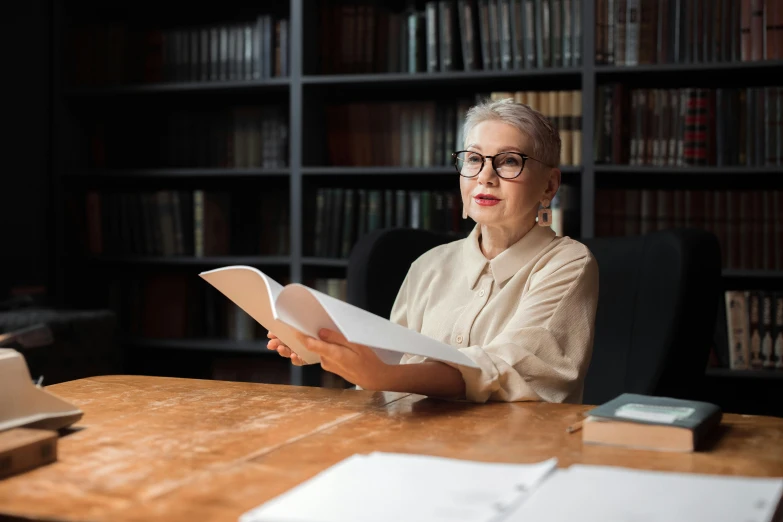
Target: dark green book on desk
(648,422)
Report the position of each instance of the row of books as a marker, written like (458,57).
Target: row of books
(634,32)
(178,305)
(185,223)
(113,54)
(449,35)
(754,323)
(564,110)
(411,134)
(689,126)
(747,223)
(342,215)
(233,137)
(425,134)
(238,137)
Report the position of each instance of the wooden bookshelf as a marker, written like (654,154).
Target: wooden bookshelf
(308,89)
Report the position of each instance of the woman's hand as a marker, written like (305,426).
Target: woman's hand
(275,344)
(355,363)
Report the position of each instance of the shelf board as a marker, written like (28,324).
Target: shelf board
(423,78)
(192,261)
(209,345)
(177,173)
(754,274)
(180,87)
(763,65)
(744,374)
(323,261)
(394,170)
(691,170)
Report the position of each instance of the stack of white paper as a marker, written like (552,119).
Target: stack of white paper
(391,487)
(600,494)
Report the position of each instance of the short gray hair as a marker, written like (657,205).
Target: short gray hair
(546,139)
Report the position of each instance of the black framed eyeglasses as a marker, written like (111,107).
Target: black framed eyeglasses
(507,165)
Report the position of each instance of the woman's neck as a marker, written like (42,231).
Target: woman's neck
(494,240)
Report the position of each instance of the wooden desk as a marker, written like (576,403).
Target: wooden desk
(177,449)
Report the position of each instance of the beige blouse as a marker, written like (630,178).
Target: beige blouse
(526,317)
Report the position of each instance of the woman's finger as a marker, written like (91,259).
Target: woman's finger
(296,360)
(273,344)
(271,335)
(284,350)
(334,337)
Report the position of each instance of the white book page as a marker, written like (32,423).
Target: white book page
(256,293)
(599,494)
(309,310)
(388,487)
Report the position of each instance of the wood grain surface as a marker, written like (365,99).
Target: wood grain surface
(153,448)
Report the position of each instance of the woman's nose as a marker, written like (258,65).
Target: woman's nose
(487,175)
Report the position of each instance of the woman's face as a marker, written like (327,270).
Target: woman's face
(507,203)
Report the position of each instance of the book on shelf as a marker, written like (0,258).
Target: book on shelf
(295,309)
(650,422)
(754,324)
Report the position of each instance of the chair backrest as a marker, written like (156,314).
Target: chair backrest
(379,262)
(658,297)
(657,309)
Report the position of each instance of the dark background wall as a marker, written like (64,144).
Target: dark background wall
(25,148)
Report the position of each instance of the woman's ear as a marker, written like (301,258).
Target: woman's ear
(553,183)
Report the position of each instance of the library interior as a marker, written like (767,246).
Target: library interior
(318,144)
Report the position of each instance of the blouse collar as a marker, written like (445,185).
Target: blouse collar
(508,262)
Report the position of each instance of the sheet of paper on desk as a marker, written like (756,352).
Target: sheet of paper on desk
(599,494)
(382,487)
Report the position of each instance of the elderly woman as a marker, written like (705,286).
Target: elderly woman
(512,296)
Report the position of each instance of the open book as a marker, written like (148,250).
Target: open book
(296,307)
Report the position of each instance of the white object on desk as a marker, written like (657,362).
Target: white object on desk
(389,487)
(602,493)
(23,404)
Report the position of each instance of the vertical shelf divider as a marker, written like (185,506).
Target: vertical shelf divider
(587,206)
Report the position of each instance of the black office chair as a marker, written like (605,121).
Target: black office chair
(658,297)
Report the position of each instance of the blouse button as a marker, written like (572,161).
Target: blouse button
(481,293)
(459,339)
